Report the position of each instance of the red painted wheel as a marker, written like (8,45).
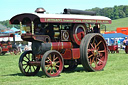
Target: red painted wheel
(52,63)
(93,52)
(24,65)
(79,31)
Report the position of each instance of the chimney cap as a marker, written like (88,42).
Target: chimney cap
(40,10)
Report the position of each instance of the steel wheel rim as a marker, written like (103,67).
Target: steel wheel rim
(97,53)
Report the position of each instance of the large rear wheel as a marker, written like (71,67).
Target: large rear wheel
(93,52)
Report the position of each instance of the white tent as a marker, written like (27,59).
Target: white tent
(17,38)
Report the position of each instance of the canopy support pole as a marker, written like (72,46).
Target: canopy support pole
(20,28)
(32,28)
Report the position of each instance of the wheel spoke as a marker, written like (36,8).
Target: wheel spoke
(47,68)
(55,59)
(90,56)
(28,69)
(101,51)
(57,66)
(49,59)
(27,58)
(34,68)
(25,67)
(93,40)
(24,64)
(51,70)
(98,43)
(90,50)
(100,60)
(98,48)
(46,61)
(56,69)
(25,61)
(92,46)
(93,59)
(95,63)
(95,45)
(57,62)
(47,65)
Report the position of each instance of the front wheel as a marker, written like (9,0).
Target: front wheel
(24,64)
(52,63)
(93,52)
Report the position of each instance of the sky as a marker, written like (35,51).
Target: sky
(10,8)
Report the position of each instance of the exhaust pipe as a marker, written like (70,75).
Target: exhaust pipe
(76,11)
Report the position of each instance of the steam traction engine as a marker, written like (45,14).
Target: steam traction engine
(6,46)
(61,42)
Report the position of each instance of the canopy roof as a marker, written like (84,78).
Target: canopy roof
(115,35)
(14,29)
(59,18)
(6,35)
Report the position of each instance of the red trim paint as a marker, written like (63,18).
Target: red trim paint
(67,20)
(61,45)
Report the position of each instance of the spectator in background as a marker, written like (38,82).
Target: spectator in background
(118,43)
(96,28)
(90,29)
(26,48)
(107,42)
(19,47)
(20,44)
(125,42)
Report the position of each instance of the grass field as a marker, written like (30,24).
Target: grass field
(123,22)
(115,73)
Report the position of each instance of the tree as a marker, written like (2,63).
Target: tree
(122,14)
(6,23)
(116,12)
(97,10)
(125,9)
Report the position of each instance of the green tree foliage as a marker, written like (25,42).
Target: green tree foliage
(115,12)
(8,25)
(125,9)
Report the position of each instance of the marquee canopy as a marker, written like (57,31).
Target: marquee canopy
(59,18)
(115,35)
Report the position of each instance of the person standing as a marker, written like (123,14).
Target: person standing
(125,42)
(19,47)
(96,28)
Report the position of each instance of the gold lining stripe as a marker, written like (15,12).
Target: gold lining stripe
(62,45)
(51,46)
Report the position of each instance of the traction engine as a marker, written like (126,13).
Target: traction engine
(60,42)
